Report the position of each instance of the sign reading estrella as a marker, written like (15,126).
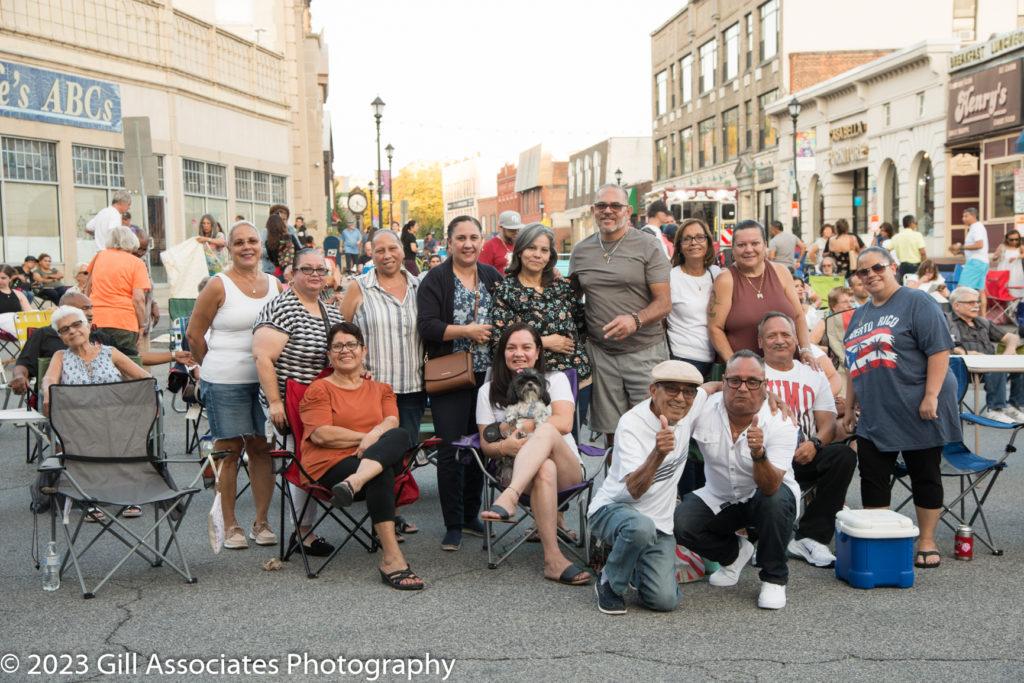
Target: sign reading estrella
(53,97)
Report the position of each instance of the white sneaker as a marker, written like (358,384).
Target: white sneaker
(813,552)
(772,596)
(998,416)
(728,576)
(1015,413)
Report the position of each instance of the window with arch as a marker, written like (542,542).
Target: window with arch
(924,186)
(892,196)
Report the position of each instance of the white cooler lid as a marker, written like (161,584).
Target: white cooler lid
(875,524)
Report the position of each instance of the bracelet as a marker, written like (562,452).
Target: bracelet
(636,319)
(806,349)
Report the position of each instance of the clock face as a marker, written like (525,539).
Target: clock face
(357,203)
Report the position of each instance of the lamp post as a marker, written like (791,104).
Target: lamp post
(618,177)
(369,229)
(794,114)
(378,111)
(391,186)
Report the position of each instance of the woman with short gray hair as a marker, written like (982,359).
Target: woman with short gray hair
(118,282)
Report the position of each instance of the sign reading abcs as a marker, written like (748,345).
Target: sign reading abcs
(27,92)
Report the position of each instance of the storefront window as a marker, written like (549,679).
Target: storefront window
(925,197)
(255,191)
(29,194)
(205,192)
(1001,189)
(98,173)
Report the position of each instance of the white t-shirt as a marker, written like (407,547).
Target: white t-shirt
(102,224)
(977,233)
(634,440)
(558,389)
(688,319)
(804,391)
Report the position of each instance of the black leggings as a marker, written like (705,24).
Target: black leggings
(876,470)
(379,492)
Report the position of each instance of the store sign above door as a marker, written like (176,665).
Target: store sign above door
(982,52)
(984,101)
(53,97)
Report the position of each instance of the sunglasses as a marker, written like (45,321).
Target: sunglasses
(878,269)
(614,206)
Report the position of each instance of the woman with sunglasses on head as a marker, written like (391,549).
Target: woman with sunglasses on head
(290,342)
(1007,256)
(693,274)
(897,357)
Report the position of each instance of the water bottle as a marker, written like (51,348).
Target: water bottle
(51,568)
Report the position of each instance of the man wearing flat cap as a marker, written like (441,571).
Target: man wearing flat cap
(632,512)
(498,250)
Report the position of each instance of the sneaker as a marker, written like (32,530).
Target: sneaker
(728,576)
(235,539)
(814,553)
(1015,413)
(998,416)
(473,528)
(263,535)
(452,540)
(608,601)
(772,596)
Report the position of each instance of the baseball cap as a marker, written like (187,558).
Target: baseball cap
(510,220)
(676,371)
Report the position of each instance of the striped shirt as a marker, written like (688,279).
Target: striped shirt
(393,345)
(305,353)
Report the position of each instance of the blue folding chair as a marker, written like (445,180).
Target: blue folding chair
(971,469)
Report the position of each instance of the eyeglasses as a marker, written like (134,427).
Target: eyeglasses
(310,270)
(753,383)
(973,302)
(345,346)
(614,206)
(694,239)
(878,269)
(67,328)
(673,390)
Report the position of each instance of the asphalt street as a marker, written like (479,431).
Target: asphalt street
(962,621)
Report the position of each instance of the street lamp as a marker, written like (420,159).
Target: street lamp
(391,186)
(378,111)
(618,177)
(369,230)
(794,114)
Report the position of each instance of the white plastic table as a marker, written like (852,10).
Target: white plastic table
(978,365)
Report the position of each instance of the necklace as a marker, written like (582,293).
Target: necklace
(757,287)
(608,254)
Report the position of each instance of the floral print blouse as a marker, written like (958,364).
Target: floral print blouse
(556,310)
(463,315)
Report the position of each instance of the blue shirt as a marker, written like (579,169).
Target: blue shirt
(887,350)
(350,240)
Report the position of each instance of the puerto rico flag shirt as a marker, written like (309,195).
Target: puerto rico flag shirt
(887,350)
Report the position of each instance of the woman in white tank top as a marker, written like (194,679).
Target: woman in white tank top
(227,308)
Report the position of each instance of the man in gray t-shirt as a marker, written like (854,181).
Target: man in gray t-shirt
(783,245)
(624,275)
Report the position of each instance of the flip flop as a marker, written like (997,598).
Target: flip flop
(343,495)
(569,574)
(503,515)
(921,559)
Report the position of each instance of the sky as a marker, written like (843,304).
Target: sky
(462,77)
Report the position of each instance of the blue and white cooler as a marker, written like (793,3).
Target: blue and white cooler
(875,548)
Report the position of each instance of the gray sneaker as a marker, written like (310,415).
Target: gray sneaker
(608,601)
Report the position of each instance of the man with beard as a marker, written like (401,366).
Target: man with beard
(498,250)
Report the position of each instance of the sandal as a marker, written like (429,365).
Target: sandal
(343,495)
(95,515)
(921,559)
(570,576)
(394,579)
(503,515)
(132,511)
(567,535)
(405,527)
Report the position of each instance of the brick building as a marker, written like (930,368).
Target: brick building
(487,208)
(508,198)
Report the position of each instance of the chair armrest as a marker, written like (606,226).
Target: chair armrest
(431,442)
(51,464)
(468,441)
(592,451)
(281,453)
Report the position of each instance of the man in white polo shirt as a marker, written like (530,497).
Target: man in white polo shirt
(632,511)
(748,462)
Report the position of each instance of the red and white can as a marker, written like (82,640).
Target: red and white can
(964,543)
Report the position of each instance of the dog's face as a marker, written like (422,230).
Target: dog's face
(528,386)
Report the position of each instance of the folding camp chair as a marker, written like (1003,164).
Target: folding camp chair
(26,320)
(971,469)
(108,460)
(823,284)
(997,289)
(292,472)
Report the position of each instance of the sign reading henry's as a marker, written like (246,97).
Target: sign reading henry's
(984,101)
(27,92)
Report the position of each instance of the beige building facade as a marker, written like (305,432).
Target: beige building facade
(235,126)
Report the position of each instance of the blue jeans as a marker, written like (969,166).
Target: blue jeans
(640,554)
(995,389)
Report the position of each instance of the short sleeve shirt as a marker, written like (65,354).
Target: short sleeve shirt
(977,233)
(907,245)
(558,389)
(887,350)
(784,245)
(114,275)
(616,279)
(805,391)
(351,240)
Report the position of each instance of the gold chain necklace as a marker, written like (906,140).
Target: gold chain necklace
(757,288)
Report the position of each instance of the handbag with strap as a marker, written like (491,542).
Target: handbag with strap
(453,371)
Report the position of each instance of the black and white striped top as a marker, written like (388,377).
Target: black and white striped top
(305,353)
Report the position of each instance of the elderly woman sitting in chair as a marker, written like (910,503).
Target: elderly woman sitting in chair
(353,445)
(545,457)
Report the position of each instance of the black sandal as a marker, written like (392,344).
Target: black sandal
(404,527)
(569,575)
(394,579)
(343,495)
(503,515)
(921,559)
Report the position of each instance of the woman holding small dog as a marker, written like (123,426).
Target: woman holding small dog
(546,459)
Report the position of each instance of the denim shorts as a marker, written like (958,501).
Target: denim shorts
(233,410)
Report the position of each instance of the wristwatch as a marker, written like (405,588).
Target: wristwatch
(761,458)
(817,443)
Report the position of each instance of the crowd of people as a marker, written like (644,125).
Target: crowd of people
(722,392)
